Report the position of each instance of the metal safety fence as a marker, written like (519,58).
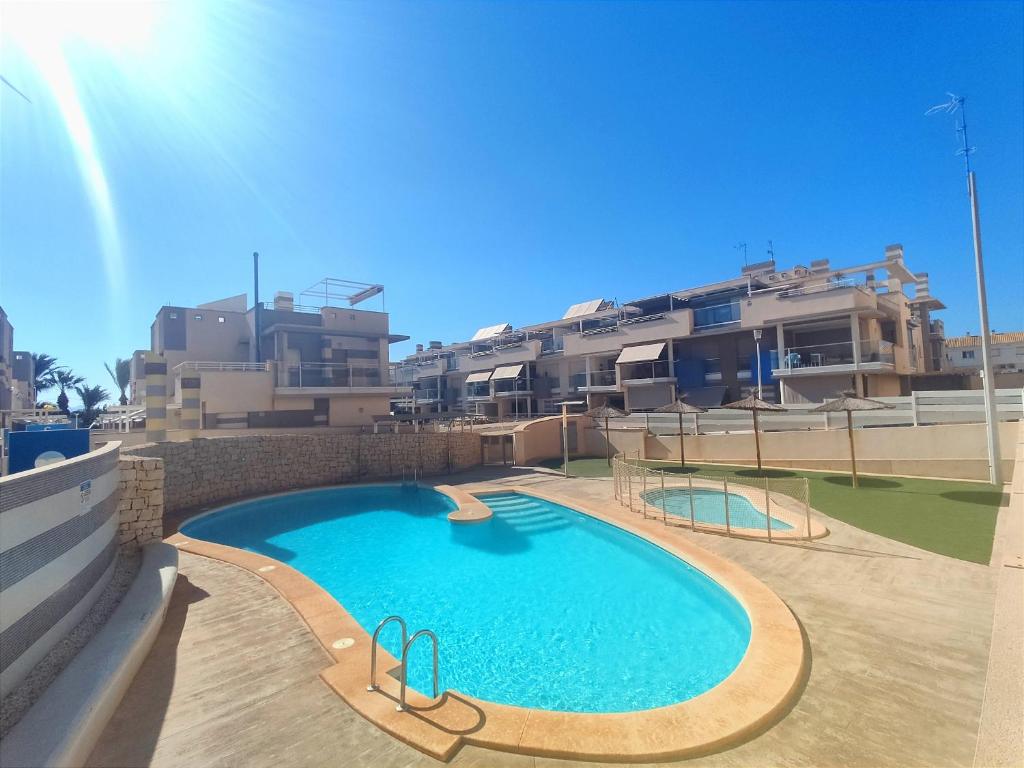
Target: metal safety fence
(736,503)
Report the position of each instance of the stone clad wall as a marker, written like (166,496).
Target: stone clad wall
(141,505)
(205,471)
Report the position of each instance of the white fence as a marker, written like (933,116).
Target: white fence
(919,408)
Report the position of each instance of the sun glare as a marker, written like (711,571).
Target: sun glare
(114,26)
(45,32)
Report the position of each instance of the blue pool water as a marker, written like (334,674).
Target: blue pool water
(709,507)
(540,606)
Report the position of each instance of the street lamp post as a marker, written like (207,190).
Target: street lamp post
(757,354)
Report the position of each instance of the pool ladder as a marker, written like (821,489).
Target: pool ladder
(407,643)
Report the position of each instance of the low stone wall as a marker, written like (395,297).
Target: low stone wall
(141,506)
(206,471)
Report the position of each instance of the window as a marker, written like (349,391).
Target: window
(967,354)
(199,317)
(220,318)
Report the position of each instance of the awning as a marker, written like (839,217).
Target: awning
(642,354)
(507,372)
(473,378)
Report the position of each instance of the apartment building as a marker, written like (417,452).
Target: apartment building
(803,334)
(17,374)
(963,353)
(278,364)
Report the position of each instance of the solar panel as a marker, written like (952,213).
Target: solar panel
(490,332)
(583,308)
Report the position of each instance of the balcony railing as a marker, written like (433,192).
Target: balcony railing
(425,394)
(658,369)
(551,346)
(720,314)
(315,375)
(836,353)
(580,382)
(200,365)
(506,387)
(478,391)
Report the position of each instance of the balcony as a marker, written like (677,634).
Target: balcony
(834,298)
(598,381)
(476,393)
(717,316)
(837,357)
(331,378)
(520,352)
(615,334)
(512,388)
(656,372)
(425,395)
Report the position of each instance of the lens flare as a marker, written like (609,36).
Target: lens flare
(43,32)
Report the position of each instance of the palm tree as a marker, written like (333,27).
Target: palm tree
(64,379)
(45,368)
(91,398)
(121,373)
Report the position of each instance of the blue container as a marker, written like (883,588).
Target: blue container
(35,448)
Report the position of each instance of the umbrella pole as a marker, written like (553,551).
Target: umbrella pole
(757,441)
(607,443)
(682,451)
(853,452)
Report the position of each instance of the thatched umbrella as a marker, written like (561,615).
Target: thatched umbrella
(680,406)
(605,412)
(753,404)
(851,403)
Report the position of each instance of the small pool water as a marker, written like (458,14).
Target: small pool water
(709,507)
(541,606)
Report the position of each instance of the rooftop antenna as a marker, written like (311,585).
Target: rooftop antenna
(955,106)
(743,247)
(771,251)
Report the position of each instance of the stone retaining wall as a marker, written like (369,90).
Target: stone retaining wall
(205,471)
(141,506)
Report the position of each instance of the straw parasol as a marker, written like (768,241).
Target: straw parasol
(680,406)
(753,404)
(850,403)
(605,412)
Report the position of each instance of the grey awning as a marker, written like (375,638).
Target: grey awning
(507,372)
(641,354)
(474,378)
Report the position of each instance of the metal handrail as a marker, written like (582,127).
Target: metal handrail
(373,649)
(405,665)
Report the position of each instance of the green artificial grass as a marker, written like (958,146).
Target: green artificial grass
(956,519)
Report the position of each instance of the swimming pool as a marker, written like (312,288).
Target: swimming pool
(541,606)
(709,507)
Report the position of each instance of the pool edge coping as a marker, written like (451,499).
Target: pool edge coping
(759,691)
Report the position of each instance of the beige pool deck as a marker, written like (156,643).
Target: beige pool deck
(898,652)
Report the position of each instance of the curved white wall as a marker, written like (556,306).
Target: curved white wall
(58,546)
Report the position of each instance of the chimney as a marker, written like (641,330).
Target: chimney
(284,300)
(894,252)
(419,347)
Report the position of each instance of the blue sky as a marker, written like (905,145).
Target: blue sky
(490,162)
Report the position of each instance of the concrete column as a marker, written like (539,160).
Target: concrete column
(855,335)
(190,403)
(156,397)
(671,369)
